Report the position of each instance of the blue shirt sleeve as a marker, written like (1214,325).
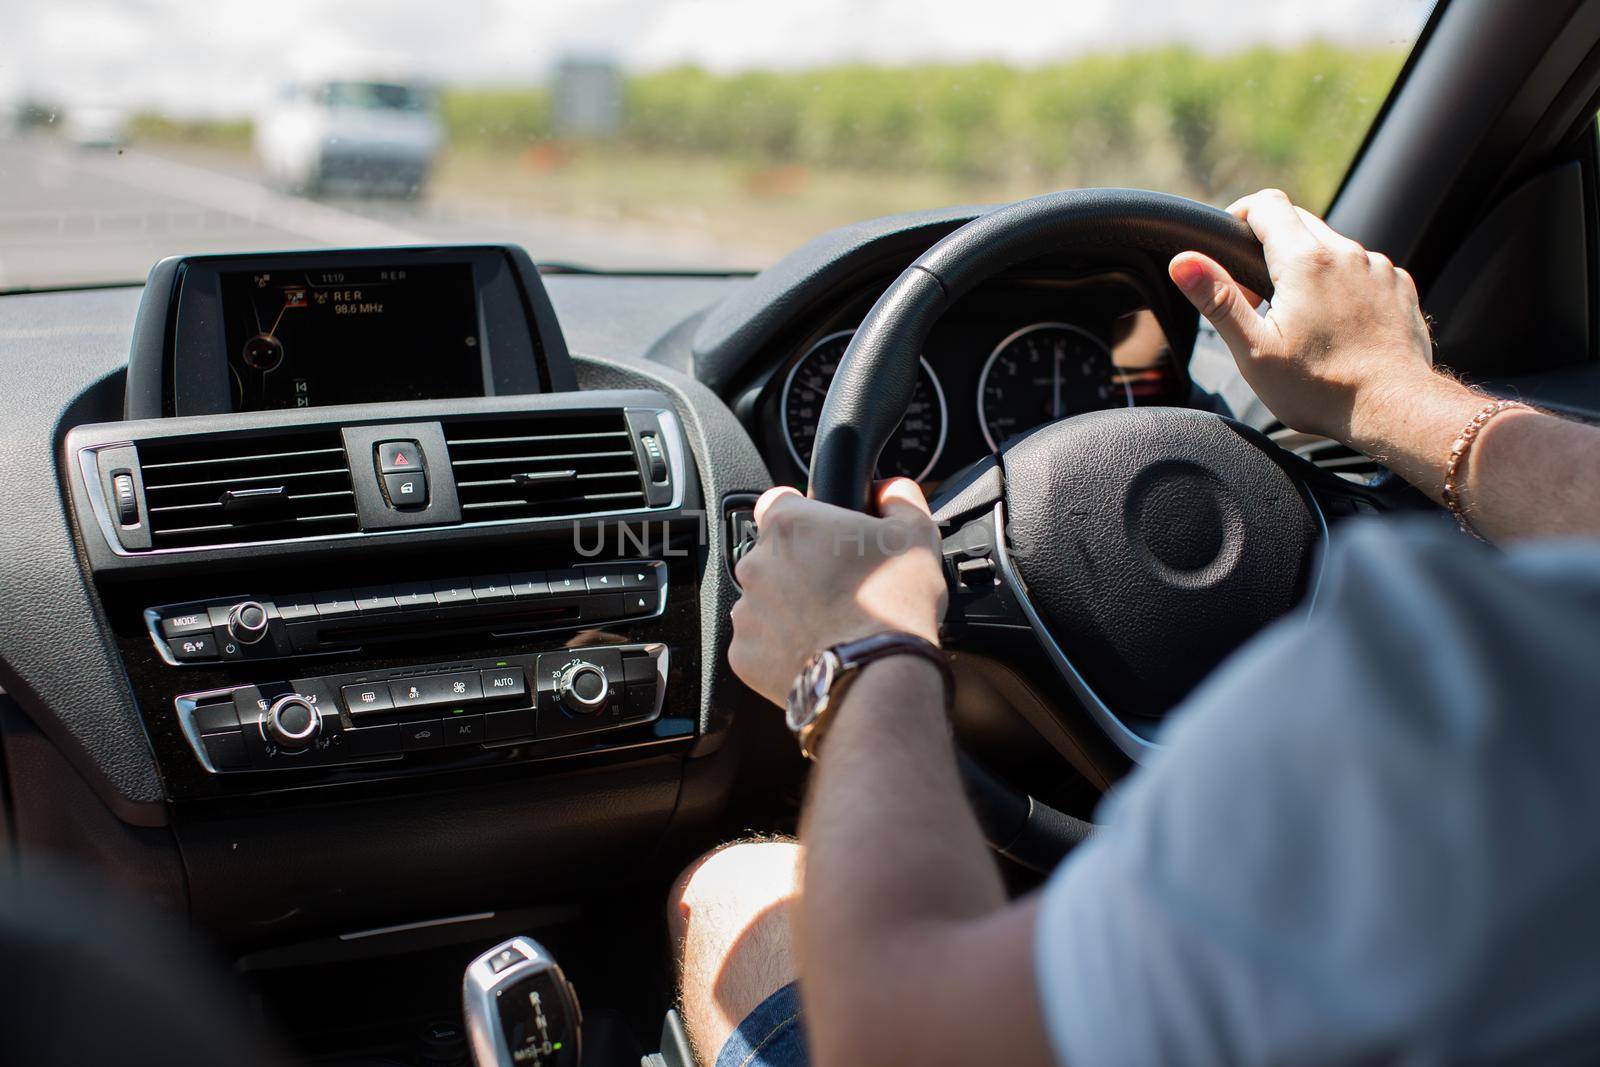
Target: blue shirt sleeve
(1370,837)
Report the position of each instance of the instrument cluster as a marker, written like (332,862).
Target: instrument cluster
(1006,359)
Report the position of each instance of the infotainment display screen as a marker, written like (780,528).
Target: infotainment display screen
(351,335)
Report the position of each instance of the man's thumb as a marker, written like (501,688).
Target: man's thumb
(1215,294)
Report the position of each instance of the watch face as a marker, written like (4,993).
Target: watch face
(810,692)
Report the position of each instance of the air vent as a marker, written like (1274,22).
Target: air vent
(222,490)
(1326,453)
(544,466)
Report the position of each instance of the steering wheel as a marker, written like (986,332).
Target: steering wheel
(1139,546)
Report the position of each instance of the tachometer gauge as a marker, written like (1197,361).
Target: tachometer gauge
(917,441)
(1042,373)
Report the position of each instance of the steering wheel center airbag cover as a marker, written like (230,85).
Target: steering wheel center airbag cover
(1154,542)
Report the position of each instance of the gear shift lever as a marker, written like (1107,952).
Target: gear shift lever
(520,1009)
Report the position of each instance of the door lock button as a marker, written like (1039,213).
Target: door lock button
(406,489)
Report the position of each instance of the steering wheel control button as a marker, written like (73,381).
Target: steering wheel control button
(247,622)
(399,457)
(503,683)
(406,489)
(367,697)
(292,723)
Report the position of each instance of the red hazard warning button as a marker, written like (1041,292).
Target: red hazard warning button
(399,456)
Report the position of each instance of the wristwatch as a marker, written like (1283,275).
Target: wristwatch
(826,676)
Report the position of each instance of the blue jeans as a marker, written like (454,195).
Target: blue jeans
(770,1036)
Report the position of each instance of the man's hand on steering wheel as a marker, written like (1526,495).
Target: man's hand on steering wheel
(821,575)
(1344,338)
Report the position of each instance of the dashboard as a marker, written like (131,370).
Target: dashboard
(368,561)
(1015,354)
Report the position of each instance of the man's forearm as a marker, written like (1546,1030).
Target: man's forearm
(904,905)
(886,779)
(1528,474)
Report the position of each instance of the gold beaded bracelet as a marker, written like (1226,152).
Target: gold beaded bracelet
(1458,455)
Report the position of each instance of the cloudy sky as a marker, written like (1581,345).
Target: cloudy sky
(222,56)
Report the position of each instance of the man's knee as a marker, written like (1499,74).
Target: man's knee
(729,916)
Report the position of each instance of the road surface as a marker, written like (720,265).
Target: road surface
(76,216)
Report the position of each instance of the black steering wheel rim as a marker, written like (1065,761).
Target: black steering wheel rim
(876,376)
(1141,546)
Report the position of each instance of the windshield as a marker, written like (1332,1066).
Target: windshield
(646,134)
(373,96)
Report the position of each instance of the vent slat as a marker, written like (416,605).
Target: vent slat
(247,479)
(190,484)
(147,467)
(465,442)
(588,498)
(556,458)
(1326,453)
(533,467)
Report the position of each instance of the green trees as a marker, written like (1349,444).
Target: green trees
(1207,125)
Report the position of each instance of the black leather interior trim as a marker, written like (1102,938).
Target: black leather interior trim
(57,656)
(736,330)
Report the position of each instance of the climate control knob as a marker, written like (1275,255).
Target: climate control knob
(292,722)
(583,688)
(247,622)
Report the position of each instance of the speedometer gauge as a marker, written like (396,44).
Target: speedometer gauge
(914,447)
(1042,373)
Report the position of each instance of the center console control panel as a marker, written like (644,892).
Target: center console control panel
(248,628)
(385,714)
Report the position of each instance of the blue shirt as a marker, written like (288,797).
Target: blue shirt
(1373,836)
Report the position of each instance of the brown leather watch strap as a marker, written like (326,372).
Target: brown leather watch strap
(853,656)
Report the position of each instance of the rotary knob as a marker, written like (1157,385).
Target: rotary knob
(292,722)
(247,622)
(583,687)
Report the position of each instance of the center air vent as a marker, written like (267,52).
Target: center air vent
(544,466)
(227,489)
(1326,453)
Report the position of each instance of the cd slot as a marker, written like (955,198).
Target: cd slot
(402,627)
